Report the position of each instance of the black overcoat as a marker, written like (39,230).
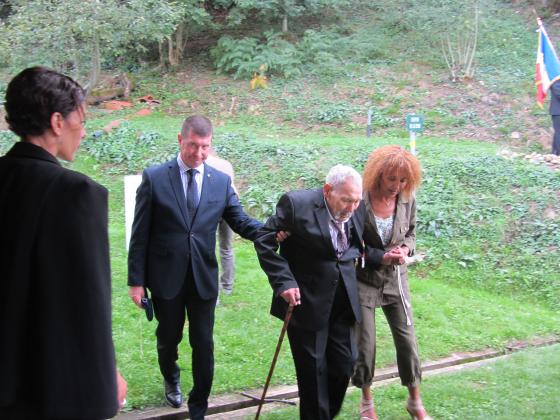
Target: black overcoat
(56,352)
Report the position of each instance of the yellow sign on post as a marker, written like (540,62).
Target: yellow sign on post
(414,124)
(413,142)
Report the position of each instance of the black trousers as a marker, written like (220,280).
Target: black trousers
(170,314)
(324,360)
(556,138)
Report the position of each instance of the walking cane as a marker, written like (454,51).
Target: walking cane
(278,347)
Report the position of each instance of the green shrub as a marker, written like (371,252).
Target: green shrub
(333,113)
(247,56)
(3,87)
(381,120)
(317,46)
(7,139)
(129,148)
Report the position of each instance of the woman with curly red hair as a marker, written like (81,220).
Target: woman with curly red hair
(391,177)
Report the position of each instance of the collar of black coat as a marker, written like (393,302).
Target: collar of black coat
(32,151)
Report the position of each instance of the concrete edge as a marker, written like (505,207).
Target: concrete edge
(224,403)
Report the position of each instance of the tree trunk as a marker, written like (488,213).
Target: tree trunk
(469,72)
(171,52)
(179,42)
(161,55)
(95,65)
(285,23)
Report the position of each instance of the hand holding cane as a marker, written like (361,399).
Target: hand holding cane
(278,347)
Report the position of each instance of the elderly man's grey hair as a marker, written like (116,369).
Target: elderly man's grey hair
(338,175)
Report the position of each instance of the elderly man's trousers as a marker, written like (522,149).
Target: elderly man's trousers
(324,361)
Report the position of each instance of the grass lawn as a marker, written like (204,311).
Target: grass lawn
(523,386)
(478,288)
(448,319)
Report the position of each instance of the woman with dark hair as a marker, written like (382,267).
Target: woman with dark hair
(57,359)
(391,177)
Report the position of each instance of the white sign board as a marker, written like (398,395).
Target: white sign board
(131,183)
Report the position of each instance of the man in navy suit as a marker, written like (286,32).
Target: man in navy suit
(172,253)
(555,115)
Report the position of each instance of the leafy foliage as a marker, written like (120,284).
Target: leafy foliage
(245,57)
(276,10)
(129,148)
(318,52)
(7,139)
(333,113)
(64,41)
(64,35)
(61,34)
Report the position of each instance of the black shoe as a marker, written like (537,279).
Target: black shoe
(173,394)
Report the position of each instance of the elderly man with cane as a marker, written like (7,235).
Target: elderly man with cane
(315,272)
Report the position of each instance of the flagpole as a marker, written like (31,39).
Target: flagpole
(541,94)
(543,30)
(539,21)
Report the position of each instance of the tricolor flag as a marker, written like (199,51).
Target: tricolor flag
(548,65)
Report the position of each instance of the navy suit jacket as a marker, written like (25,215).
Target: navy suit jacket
(554,108)
(307,259)
(165,239)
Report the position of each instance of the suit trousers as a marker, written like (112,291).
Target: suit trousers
(556,138)
(170,314)
(324,361)
(227,259)
(404,339)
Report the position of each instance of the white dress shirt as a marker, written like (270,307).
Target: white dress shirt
(183,168)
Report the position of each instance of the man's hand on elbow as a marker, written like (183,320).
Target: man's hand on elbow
(282,235)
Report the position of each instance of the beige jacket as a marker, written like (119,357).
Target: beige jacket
(224,166)
(385,277)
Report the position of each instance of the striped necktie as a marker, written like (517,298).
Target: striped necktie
(341,241)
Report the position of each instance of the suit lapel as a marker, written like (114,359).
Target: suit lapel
(370,216)
(177,185)
(355,233)
(401,203)
(322,217)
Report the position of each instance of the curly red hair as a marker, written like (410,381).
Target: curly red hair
(388,159)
